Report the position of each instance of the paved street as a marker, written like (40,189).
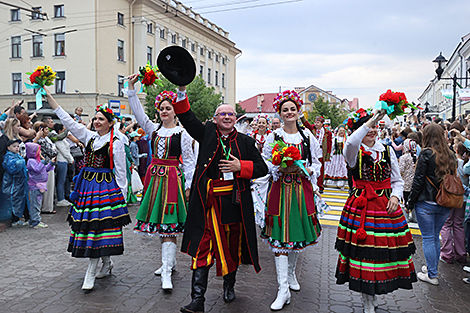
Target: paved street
(38,275)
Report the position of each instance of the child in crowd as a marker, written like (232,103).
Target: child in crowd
(134,147)
(15,181)
(37,169)
(78,115)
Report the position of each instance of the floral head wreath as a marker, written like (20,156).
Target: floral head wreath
(105,109)
(164,95)
(354,117)
(265,116)
(287,95)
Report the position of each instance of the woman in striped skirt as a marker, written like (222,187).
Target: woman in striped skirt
(374,241)
(99,209)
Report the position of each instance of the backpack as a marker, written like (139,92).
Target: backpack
(451,191)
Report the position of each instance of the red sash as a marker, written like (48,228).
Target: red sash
(171,173)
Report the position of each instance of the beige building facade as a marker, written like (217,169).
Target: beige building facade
(91,44)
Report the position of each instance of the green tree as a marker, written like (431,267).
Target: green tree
(329,111)
(204,100)
(239,109)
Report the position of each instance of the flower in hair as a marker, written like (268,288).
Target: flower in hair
(356,116)
(287,95)
(265,116)
(164,95)
(104,108)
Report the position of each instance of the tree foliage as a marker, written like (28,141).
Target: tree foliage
(239,109)
(204,100)
(329,111)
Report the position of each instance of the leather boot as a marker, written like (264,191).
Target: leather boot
(168,254)
(89,281)
(159,270)
(368,304)
(198,289)
(108,266)
(291,278)
(283,293)
(229,284)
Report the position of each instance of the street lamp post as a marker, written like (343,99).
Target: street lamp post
(440,61)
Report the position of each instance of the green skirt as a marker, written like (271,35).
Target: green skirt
(156,214)
(293,229)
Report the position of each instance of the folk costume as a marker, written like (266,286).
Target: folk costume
(336,170)
(220,224)
(374,247)
(261,139)
(163,208)
(99,209)
(291,218)
(324,138)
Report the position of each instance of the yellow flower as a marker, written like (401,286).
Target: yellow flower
(284,150)
(40,68)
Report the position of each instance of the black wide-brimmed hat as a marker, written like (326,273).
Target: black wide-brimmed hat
(177,65)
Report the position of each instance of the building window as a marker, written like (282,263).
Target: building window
(193,47)
(209,54)
(59,10)
(201,51)
(223,80)
(216,58)
(217,78)
(173,38)
(16,47)
(162,33)
(183,43)
(149,55)
(208,75)
(201,70)
(150,28)
(120,85)
(120,18)
(16,83)
(59,44)
(37,45)
(36,15)
(120,50)
(223,60)
(60,82)
(15,15)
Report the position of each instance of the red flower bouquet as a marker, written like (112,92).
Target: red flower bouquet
(284,156)
(394,103)
(149,77)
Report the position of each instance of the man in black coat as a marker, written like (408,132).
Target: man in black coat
(220,223)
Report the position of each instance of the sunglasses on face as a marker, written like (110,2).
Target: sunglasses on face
(223,114)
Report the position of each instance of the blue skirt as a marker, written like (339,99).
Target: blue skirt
(97,215)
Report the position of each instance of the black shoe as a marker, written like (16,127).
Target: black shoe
(229,284)
(198,289)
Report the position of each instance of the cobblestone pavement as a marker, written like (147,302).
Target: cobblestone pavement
(38,275)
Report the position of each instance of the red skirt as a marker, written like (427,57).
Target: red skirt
(381,262)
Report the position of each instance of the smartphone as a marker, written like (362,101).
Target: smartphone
(21,102)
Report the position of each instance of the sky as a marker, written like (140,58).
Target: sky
(354,48)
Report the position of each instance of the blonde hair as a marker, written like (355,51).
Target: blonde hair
(8,128)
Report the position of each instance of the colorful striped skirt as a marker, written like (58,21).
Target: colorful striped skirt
(97,215)
(374,247)
(291,218)
(163,208)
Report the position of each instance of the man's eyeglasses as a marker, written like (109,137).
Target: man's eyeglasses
(225,114)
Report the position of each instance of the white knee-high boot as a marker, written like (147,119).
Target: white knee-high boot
(283,293)
(168,254)
(291,278)
(108,266)
(89,281)
(368,303)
